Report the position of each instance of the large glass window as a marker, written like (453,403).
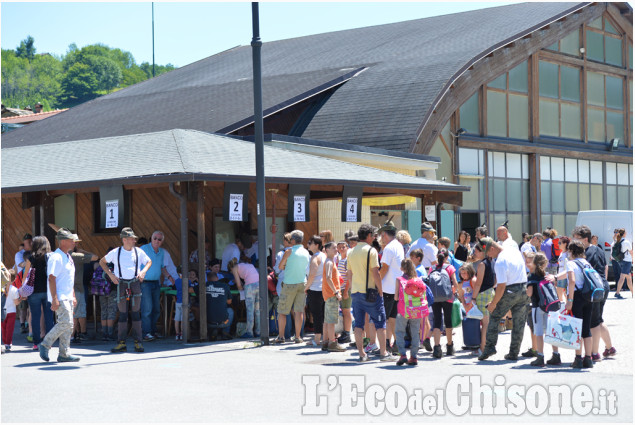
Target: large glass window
(469,115)
(508,104)
(570,44)
(604,42)
(559,109)
(619,188)
(605,108)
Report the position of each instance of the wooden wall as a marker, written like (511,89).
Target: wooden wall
(15,223)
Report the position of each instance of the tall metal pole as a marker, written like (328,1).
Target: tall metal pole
(256,44)
(153,74)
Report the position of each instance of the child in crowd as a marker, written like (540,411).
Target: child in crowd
(410,287)
(531,352)
(178,309)
(331,292)
(562,284)
(537,268)
(8,324)
(467,274)
(443,309)
(416,256)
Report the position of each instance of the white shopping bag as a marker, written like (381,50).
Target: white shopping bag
(474,312)
(563,330)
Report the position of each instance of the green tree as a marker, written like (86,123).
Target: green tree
(26,49)
(79,83)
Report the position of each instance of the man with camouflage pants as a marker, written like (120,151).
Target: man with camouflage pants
(61,276)
(511,294)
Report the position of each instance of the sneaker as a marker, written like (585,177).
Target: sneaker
(278,341)
(296,340)
(577,363)
(509,324)
(365,342)
(512,357)
(83,336)
(119,348)
(35,347)
(587,362)
(29,338)
(364,359)
(176,337)
(609,352)
(394,350)
(437,353)
(311,343)
(554,360)
(138,347)
(539,361)
(426,344)
(478,352)
(44,353)
(412,361)
(344,338)
(449,349)
(353,344)
(148,337)
(387,358)
(335,347)
(369,348)
(377,352)
(486,354)
(247,335)
(105,337)
(64,359)
(501,327)
(24,328)
(530,353)
(619,296)
(7,347)
(158,335)
(325,346)
(76,340)
(596,357)
(402,360)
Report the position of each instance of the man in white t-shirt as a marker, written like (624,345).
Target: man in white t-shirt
(511,294)
(231,251)
(390,270)
(129,272)
(61,295)
(425,244)
(504,238)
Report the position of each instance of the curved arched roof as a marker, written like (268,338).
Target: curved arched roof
(407,65)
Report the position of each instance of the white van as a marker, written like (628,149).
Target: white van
(603,223)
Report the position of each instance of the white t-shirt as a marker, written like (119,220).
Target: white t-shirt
(562,261)
(127,262)
(230,251)
(510,267)
(62,267)
(316,285)
(626,248)
(391,258)
(509,242)
(527,248)
(12,295)
(429,251)
(19,258)
(577,271)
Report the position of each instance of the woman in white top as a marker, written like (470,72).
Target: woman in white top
(561,286)
(313,289)
(579,305)
(625,264)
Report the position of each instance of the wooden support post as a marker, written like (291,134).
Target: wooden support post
(200,217)
(534,192)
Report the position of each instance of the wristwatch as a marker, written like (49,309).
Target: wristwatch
(570,300)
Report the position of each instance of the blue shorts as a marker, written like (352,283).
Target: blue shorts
(375,310)
(625,267)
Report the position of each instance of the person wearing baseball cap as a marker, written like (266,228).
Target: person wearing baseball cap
(129,272)
(511,294)
(61,295)
(426,244)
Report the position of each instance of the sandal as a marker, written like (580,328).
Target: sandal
(279,340)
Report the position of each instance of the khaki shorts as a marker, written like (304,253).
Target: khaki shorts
(292,295)
(483,299)
(331,310)
(347,303)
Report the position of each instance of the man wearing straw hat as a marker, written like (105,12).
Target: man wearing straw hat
(127,275)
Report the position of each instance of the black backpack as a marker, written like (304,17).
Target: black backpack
(548,296)
(616,251)
(440,284)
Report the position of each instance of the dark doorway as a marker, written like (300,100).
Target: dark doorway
(469,223)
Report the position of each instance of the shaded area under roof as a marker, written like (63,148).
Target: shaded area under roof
(184,155)
(408,66)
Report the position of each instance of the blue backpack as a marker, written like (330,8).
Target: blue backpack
(592,286)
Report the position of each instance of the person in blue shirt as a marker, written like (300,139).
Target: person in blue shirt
(192,277)
(151,288)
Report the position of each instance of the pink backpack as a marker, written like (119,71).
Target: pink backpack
(414,298)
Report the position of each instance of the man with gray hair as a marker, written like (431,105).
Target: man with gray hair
(151,287)
(294,263)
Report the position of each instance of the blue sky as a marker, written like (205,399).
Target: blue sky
(187,32)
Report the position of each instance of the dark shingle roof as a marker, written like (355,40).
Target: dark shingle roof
(181,155)
(408,65)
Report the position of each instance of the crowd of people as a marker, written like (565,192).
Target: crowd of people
(376,291)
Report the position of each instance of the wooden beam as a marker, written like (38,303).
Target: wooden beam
(452,198)
(504,60)
(200,224)
(544,150)
(616,16)
(590,66)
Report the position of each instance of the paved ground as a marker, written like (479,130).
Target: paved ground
(235,381)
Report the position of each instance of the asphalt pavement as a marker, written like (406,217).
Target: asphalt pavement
(239,381)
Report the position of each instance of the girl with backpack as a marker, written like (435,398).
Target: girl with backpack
(442,280)
(537,270)
(412,306)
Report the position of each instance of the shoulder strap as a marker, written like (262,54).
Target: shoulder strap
(367,266)
(136,262)
(119,262)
